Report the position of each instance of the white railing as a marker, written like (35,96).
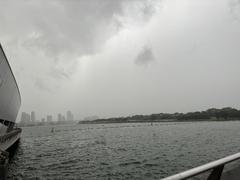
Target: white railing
(216,167)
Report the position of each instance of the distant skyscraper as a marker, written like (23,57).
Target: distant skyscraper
(49,118)
(69,116)
(25,118)
(59,117)
(43,120)
(33,116)
(28,118)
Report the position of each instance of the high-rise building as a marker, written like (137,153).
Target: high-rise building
(33,116)
(28,118)
(49,118)
(59,117)
(70,116)
(25,118)
(63,118)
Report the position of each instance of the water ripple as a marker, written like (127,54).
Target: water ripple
(121,151)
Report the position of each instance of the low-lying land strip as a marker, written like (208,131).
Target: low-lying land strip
(212,114)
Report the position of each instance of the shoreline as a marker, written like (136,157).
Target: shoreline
(160,121)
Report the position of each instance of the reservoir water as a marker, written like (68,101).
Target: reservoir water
(121,151)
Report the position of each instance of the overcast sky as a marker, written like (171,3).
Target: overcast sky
(121,57)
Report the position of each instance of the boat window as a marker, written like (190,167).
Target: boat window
(1,121)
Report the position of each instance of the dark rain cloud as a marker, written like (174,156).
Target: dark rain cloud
(61,31)
(145,56)
(58,27)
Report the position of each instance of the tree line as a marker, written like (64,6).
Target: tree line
(226,113)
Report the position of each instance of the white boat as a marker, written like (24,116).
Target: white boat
(10,101)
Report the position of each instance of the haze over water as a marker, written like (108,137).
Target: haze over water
(121,151)
(118,58)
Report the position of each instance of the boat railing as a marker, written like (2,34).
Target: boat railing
(10,134)
(216,168)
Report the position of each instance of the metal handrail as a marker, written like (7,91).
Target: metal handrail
(206,167)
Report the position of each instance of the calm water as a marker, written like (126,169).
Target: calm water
(121,151)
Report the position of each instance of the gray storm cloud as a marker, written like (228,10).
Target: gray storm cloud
(145,56)
(74,27)
(84,55)
(62,31)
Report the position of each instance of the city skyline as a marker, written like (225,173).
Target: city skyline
(28,118)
